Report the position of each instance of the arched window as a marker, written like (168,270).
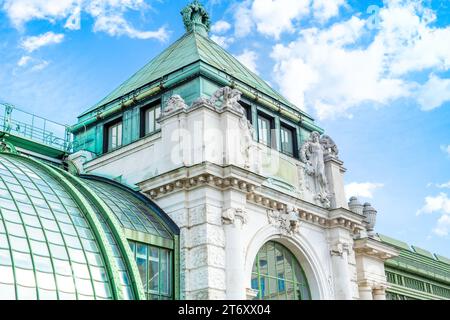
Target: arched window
(277,275)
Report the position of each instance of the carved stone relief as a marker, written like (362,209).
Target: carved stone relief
(286,220)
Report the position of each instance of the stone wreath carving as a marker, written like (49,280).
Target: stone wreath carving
(174,103)
(312,154)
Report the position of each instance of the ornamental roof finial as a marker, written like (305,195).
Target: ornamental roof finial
(196,18)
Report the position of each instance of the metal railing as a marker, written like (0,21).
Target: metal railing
(27,125)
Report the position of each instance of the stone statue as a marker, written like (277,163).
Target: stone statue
(174,103)
(230,98)
(312,154)
(246,139)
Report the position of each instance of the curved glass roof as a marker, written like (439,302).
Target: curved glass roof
(129,210)
(58,240)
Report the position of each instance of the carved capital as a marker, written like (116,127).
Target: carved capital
(339,248)
(230,215)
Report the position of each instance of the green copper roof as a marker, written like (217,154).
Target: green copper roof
(59,239)
(190,48)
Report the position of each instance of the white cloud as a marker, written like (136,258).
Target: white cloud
(270,17)
(444,185)
(362,189)
(23,11)
(222,40)
(442,226)
(333,71)
(108,15)
(220,26)
(40,66)
(33,43)
(117,26)
(446,149)
(23,61)
(434,92)
(325,9)
(438,204)
(249,59)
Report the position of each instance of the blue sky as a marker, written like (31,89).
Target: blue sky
(374,74)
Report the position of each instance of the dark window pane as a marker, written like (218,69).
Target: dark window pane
(287,141)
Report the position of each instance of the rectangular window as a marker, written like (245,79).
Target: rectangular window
(113,136)
(155,268)
(288,140)
(265,126)
(149,115)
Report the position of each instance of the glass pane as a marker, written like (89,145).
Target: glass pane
(45,281)
(153,270)
(7,291)
(262,256)
(6,274)
(164,272)
(42,264)
(271,259)
(264,130)
(150,120)
(47,294)
(24,293)
(287,141)
(141,260)
(25,277)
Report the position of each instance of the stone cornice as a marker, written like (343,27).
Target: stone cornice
(374,248)
(233,177)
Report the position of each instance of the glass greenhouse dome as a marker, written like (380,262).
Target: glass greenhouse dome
(69,237)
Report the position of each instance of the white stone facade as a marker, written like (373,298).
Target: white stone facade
(229,195)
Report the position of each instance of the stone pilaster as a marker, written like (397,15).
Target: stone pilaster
(334,172)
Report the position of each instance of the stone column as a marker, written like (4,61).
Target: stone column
(233,221)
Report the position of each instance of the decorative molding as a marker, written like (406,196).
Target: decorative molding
(339,218)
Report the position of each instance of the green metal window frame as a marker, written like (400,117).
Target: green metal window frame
(151,295)
(299,294)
